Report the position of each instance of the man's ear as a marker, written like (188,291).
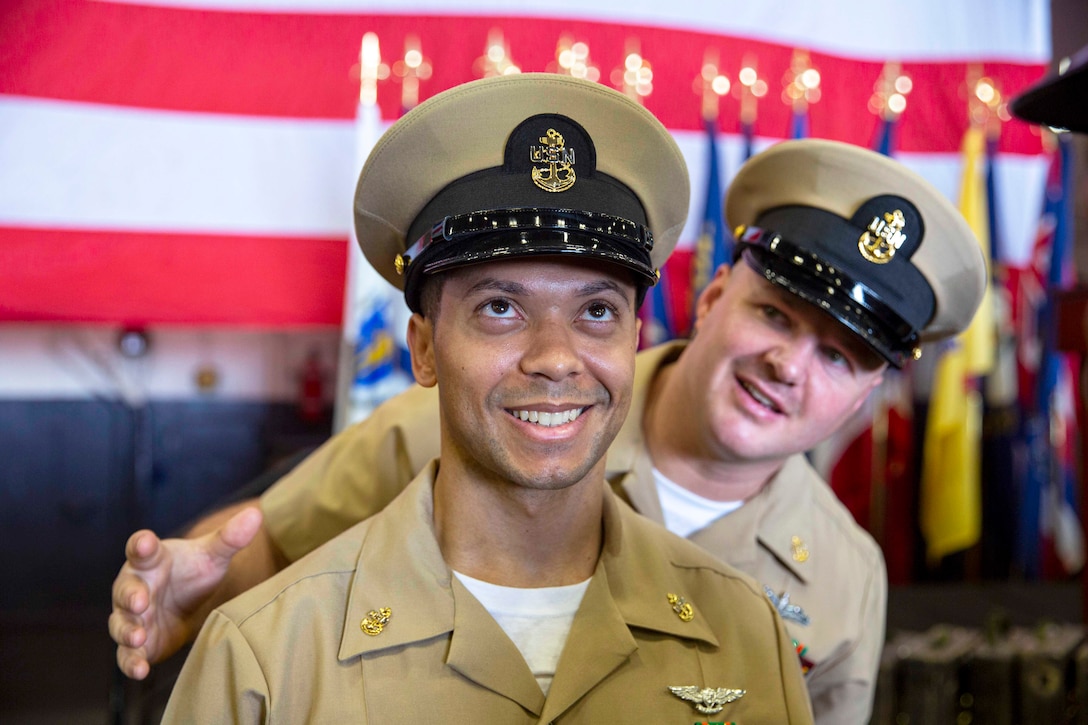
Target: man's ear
(710,295)
(421,347)
(873,384)
(878,379)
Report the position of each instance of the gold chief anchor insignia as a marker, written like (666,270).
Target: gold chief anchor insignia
(883,238)
(559,174)
(707,700)
(375,621)
(798,549)
(682,608)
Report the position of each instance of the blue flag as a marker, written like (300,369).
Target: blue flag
(885,136)
(714,247)
(1060,523)
(799,124)
(991,197)
(1059,251)
(658,323)
(747,133)
(1048,503)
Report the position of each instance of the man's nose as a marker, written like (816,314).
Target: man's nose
(791,358)
(552,351)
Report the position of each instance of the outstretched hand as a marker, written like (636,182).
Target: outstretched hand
(166,588)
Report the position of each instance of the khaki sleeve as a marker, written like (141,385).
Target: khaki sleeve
(221,680)
(847,687)
(354,475)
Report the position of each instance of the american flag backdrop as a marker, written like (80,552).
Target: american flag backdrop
(193,162)
(187,167)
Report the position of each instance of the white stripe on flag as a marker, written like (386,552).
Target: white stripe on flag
(1014,30)
(84,166)
(77,165)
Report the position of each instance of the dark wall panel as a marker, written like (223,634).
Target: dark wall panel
(77,477)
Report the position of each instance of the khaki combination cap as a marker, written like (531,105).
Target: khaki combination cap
(863,238)
(511,166)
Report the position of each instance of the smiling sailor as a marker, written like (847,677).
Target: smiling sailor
(847,262)
(524,217)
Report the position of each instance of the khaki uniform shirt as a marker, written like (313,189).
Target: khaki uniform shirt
(834,572)
(293,649)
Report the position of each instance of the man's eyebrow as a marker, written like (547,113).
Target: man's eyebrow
(501,285)
(598,286)
(516,288)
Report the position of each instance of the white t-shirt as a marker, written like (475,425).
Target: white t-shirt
(537,620)
(686,512)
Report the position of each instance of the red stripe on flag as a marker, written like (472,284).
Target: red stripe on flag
(300,65)
(145,278)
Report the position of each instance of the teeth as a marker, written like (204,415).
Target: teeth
(760,397)
(548,420)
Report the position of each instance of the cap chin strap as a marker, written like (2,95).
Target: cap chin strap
(465,239)
(460,227)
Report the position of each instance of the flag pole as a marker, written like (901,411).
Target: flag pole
(750,88)
(713,247)
(369,370)
(801,88)
(878,473)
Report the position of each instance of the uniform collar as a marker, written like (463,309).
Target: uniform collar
(641,575)
(630,443)
(629,589)
(404,571)
(785,525)
(400,567)
(771,519)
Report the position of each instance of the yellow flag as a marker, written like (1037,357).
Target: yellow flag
(980,338)
(951,491)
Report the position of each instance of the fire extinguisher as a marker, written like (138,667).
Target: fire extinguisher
(311,398)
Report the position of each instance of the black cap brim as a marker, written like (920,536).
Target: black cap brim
(1059,101)
(515,233)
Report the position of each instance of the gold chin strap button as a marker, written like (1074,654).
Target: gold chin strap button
(401,262)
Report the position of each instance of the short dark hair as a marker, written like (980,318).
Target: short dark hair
(430,295)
